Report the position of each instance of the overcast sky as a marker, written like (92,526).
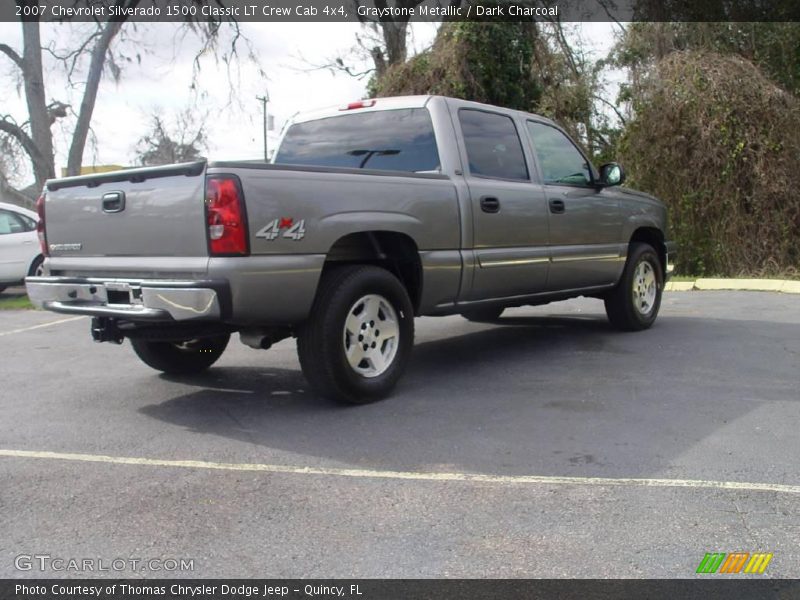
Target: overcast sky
(162,82)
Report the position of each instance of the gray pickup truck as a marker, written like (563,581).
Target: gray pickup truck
(370,214)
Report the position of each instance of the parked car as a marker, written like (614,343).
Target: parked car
(20,254)
(372,213)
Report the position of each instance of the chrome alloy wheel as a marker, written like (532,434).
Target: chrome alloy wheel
(371,335)
(645,288)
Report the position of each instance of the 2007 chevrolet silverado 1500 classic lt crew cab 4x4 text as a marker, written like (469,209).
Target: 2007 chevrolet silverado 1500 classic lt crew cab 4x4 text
(370,214)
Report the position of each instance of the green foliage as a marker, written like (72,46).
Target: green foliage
(526,66)
(719,143)
(485,62)
(773,47)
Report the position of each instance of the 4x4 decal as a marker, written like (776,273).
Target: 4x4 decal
(284,226)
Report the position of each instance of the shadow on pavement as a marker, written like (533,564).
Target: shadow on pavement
(564,395)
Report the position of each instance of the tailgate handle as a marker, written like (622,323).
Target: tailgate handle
(114,202)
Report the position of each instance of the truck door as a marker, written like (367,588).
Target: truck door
(585,222)
(509,211)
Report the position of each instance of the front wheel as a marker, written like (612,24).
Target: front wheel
(181,358)
(357,341)
(633,305)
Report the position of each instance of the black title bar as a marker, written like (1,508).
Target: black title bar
(261,11)
(405,589)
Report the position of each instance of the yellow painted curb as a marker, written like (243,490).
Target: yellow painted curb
(791,287)
(747,285)
(679,286)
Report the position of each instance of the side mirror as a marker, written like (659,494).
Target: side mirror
(611,174)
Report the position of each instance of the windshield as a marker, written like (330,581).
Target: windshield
(395,140)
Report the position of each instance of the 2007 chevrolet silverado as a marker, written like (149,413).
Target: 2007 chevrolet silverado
(370,214)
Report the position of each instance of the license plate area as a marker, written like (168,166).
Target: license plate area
(124,293)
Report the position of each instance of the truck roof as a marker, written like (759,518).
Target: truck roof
(395,102)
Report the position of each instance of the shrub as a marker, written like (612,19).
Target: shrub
(720,144)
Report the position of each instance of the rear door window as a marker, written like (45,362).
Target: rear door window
(493,145)
(11,223)
(394,140)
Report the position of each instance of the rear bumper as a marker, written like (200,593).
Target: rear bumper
(131,299)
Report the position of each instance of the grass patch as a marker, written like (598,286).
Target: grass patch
(15,303)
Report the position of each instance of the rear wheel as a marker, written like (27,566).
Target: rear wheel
(181,358)
(633,305)
(357,341)
(482,315)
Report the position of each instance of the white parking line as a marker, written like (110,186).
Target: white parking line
(48,324)
(412,475)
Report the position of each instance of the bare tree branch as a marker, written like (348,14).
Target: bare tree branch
(98,60)
(613,107)
(13,55)
(74,56)
(8,126)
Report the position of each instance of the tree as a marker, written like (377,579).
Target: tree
(485,62)
(164,144)
(525,65)
(383,41)
(718,142)
(771,46)
(96,54)
(716,106)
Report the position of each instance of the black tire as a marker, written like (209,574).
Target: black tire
(623,312)
(483,315)
(323,341)
(36,265)
(2,289)
(181,358)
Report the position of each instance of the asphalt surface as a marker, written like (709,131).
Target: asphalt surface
(711,392)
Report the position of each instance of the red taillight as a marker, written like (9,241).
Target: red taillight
(40,225)
(359,104)
(227,226)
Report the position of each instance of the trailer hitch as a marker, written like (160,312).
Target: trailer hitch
(105,329)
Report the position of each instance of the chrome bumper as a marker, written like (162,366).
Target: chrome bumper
(135,300)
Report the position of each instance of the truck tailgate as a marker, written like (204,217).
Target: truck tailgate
(148,212)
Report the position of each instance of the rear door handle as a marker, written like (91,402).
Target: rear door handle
(114,202)
(490,204)
(557,207)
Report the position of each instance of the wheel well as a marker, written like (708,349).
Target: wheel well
(654,237)
(33,262)
(396,252)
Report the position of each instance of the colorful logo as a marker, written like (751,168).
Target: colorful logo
(735,562)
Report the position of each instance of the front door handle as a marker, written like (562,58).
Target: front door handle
(557,207)
(114,202)
(490,204)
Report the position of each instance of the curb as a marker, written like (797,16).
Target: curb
(784,286)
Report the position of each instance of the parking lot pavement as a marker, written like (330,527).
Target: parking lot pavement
(551,407)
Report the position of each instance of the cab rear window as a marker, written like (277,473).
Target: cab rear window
(393,140)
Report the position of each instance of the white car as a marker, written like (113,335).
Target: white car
(20,252)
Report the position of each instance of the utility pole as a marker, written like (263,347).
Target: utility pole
(264,100)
